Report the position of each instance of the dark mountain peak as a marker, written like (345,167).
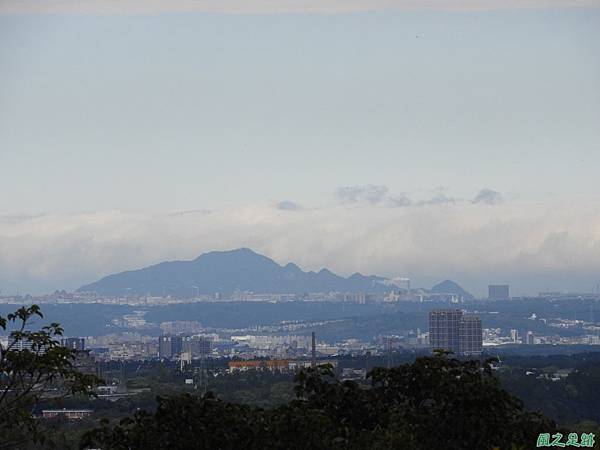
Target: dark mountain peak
(446,284)
(235,259)
(360,276)
(450,287)
(238,252)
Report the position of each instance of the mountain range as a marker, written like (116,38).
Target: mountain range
(226,272)
(241,269)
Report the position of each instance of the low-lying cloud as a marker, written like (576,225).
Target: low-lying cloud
(532,246)
(369,193)
(440,198)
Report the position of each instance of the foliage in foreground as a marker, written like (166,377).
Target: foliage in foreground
(435,402)
(33,365)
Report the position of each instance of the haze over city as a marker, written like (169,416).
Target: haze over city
(440,141)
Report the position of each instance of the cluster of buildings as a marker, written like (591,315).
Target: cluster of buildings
(123,346)
(394,294)
(582,332)
(184,346)
(498,337)
(83,360)
(69,414)
(449,329)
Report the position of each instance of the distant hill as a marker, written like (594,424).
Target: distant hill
(450,287)
(226,272)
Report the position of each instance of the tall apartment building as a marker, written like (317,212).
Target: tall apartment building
(74,343)
(530,338)
(470,336)
(171,346)
(443,329)
(498,292)
(165,347)
(197,345)
(514,336)
(176,345)
(450,330)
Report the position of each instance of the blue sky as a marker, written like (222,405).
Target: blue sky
(151,113)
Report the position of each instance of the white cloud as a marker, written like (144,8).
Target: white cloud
(270,6)
(533,246)
(371,194)
(399,200)
(438,199)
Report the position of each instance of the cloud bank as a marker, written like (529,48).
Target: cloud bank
(369,193)
(532,246)
(271,6)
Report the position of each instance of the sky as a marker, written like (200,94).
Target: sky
(438,139)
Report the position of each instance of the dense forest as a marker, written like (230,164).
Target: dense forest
(432,402)
(568,403)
